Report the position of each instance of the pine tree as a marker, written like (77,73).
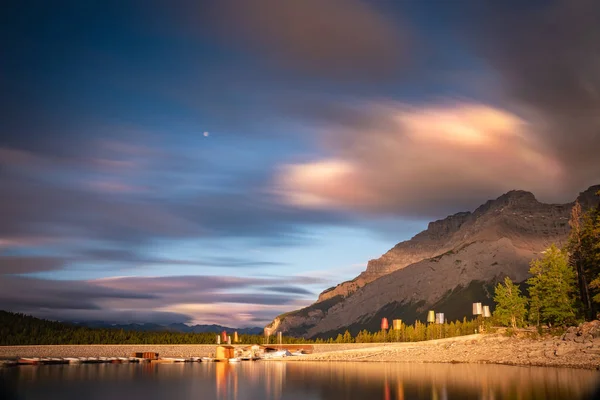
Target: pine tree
(552,287)
(347,338)
(510,305)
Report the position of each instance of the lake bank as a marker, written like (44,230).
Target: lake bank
(482,349)
(486,349)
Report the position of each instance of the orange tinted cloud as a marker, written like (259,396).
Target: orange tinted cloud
(423,158)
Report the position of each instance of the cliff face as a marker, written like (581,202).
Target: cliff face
(429,243)
(499,238)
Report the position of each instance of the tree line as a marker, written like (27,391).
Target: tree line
(416,332)
(564,286)
(19,329)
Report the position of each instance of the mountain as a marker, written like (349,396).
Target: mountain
(177,327)
(454,262)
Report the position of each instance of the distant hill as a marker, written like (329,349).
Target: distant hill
(180,327)
(454,262)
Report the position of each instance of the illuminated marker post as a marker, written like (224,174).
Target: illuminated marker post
(477,312)
(267,334)
(486,314)
(431,316)
(430,320)
(397,326)
(439,319)
(384,327)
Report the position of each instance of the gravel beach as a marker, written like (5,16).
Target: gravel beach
(487,349)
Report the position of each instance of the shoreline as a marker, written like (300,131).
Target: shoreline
(470,349)
(476,349)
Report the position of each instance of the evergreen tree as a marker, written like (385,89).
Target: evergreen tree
(347,338)
(584,255)
(590,254)
(552,287)
(510,305)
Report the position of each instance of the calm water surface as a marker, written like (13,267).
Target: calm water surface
(281,380)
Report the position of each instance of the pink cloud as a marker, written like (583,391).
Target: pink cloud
(454,154)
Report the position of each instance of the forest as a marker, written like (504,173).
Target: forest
(19,329)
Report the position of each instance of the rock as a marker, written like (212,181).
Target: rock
(549,353)
(536,353)
(564,350)
(579,339)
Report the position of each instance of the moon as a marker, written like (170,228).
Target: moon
(206,134)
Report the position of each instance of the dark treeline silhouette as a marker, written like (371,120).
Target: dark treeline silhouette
(20,329)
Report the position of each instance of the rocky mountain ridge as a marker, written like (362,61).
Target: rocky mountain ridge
(499,238)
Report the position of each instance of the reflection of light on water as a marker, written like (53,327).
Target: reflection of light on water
(226,381)
(275,376)
(439,393)
(386,391)
(400,391)
(290,380)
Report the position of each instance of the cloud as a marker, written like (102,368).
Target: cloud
(27,264)
(336,39)
(549,64)
(19,293)
(206,299)
(113,316)
(424,161)
(288,289)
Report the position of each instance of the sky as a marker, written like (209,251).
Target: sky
(222,161)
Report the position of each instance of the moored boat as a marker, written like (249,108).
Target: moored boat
(29,361)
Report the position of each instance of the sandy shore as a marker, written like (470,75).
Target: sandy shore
(487,349)
(484,349)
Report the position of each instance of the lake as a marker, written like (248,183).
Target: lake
(295,381)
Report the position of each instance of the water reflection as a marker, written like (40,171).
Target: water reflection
(280,380)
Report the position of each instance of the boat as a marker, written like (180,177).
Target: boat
(207,359)
(276,354)
(165,360)
(235,360)
(73,360)
(123,359)
(250,358)
(29,361)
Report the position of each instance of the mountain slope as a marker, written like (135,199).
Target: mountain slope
(499,238)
